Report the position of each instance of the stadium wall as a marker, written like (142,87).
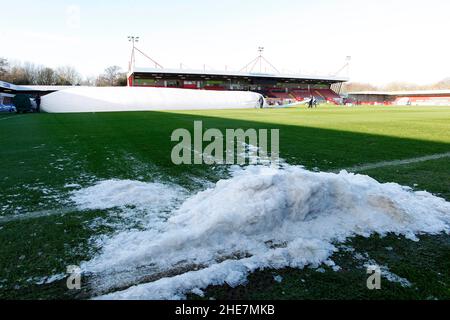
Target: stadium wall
(413,98)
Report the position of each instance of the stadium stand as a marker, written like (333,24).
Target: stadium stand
(301,94)
(282,88)
(402,98)
(279,93)
(328,94)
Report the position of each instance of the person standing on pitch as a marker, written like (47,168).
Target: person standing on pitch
(38,103)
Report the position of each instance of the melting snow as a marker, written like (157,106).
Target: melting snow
(48,279)
(121,193)
(390,276)
(261,217)
(278,278)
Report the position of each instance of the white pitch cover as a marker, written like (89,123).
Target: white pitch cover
(110,99)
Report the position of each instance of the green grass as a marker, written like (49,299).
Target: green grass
(41,153)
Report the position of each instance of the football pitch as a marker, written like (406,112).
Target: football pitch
(46,159)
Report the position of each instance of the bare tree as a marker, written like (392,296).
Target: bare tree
(46,76)
(122,81)
(89,81)
(31,72)
(18,75)
(28,74)
(356,86)
(402,86)
(442,85)
(101,81)
(67,76)
(112,76)
(3,67)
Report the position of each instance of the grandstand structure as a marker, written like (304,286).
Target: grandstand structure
(414,98)
(276,87)
(9,90)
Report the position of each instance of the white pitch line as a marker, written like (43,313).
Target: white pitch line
(37,214)
(383,164)
(11,117)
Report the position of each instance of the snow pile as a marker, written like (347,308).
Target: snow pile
(103,99)
(262,217)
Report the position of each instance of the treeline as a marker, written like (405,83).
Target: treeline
(31,74)
(396,86)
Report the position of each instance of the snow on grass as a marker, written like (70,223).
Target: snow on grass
(72,185)
(261,217)
(48,279)
(119,193)
(131,204)
(385,271)
(278,278)
(392,277)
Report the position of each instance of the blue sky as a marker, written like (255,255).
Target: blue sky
(394,40)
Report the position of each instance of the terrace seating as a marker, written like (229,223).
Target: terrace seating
(279,94)
(328,94)
(301,94)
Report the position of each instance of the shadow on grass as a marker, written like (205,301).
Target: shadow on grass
(146,135)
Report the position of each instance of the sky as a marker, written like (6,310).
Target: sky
(395,40)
